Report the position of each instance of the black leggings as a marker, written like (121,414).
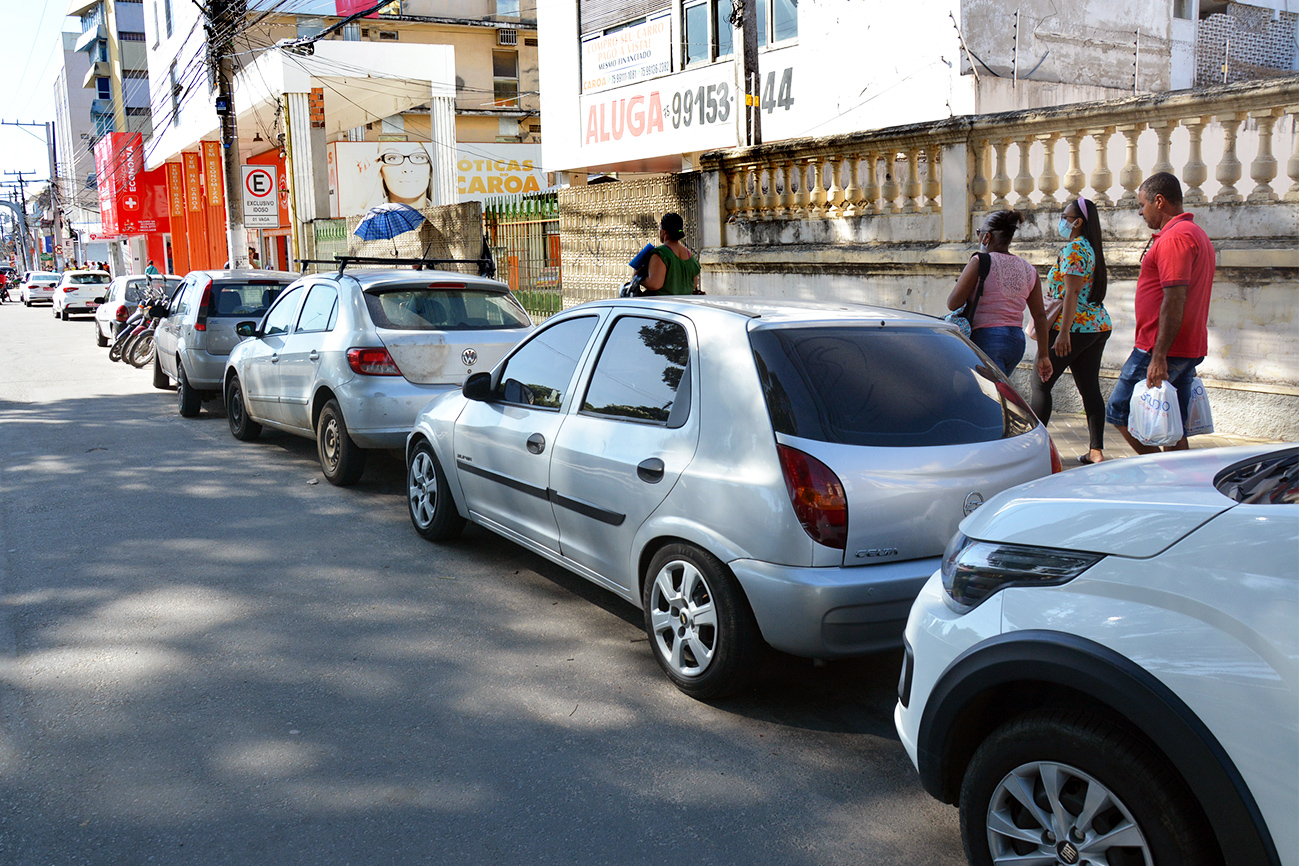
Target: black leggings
(1084,360)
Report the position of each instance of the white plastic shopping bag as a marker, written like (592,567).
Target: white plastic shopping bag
(1199,417)
(1154,416)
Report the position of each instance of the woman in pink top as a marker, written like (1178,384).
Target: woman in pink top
(1011,284)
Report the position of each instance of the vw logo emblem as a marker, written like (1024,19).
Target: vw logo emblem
(973,501)
(470,357)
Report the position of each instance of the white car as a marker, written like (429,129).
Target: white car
(39,286)
(1105,669)
(80,292)
(121,299)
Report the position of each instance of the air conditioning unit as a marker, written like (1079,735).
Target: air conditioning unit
(507,37)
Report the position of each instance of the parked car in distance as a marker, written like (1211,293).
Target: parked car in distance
(38,286)
(121,299)
(1105,669)
(744,471)
(349,358)
(79,292)
(194,339)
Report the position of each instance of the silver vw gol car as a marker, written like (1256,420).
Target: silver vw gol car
(747,472)
(350,358)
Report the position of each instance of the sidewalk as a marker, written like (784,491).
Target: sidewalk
(1069,432)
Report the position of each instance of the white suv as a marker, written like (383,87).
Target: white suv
(1106,667)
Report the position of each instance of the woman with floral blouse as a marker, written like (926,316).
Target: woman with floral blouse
(1076,287)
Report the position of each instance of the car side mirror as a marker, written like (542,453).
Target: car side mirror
(101,299)
(478,387)
(247,329)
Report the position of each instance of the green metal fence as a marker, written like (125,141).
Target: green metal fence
(523,232)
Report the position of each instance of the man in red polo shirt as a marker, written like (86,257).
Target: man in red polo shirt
(1172,305)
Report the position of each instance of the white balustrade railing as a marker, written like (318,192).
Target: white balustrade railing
(900,171)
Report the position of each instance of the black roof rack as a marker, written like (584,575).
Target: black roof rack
(486,266)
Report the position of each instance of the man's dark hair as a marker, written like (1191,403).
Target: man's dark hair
(1165,184)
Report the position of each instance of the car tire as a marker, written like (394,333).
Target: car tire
(341,459)
(242,427)
(432,510)
(100,340)
(1068,758)
(63,314)
(187,399)
(141,350)
(700,626)
(160,379)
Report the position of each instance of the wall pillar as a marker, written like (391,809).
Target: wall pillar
(442,123)
(307,139)
(957,201)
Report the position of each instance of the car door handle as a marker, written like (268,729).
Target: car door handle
(314,356)
(650,471)
(275,357)
(536,443)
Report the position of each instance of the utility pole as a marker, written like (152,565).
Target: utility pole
(22,207)
(223,20)
(56,212)
(748,116)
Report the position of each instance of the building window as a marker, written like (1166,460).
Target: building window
(103,88)
(505,79)
(507,8)
(99,54)
(696,33)
(166,11)
(175,93)
(103,124)
(157,31)
(783,17)
(723,28)
(130,36)
(308,27)
(1182,9)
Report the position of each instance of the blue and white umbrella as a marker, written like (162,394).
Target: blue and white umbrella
(386,221)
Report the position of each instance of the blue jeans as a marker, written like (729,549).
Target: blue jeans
(1004,344)
(1181,373)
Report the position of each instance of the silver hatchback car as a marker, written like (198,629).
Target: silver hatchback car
(350,358)
(193,340)
(747,472)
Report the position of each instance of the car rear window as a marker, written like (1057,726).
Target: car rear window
(243,300)
(884,386)
(132,294)
(89,279)
(427,308)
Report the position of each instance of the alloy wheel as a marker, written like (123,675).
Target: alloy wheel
(422,481)
(1058,813)
(683,618)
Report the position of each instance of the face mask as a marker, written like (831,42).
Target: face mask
(1064,228)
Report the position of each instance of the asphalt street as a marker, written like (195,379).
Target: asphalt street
(210,655)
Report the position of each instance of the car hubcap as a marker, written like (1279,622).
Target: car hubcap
(1051,813)
(236,407)
(423,484)
(683,618)
(329,442)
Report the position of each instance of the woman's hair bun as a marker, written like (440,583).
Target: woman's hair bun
(674,225)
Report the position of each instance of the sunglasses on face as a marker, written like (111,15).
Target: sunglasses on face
(419,158)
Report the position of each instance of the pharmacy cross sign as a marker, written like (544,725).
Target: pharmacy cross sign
(131,203)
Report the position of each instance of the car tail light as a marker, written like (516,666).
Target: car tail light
(121,313)
(817,496)
(372,362)
(1057,465)
(204,307)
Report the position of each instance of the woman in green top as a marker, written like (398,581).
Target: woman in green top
(674,270)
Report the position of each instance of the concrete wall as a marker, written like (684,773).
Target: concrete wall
(1090,41)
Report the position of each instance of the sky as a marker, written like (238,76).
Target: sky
(33,53)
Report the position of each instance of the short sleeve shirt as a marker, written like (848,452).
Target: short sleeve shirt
(1077,259)
(681,273)
(1005,292)
(1179,254)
